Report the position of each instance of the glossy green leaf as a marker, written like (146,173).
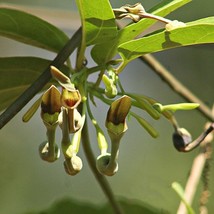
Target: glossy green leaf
(68,206)
(197,32)
(101,53)
(31,30)
(17,74)
(98,21)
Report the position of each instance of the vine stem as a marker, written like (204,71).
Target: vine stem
(41,81)
(195,174)
(100,178)
(177,86)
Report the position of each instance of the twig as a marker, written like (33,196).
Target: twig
(195,174)
(205,179)
(100,178)
(177,86)
(41,81)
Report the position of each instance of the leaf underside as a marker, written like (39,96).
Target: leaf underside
(29,29)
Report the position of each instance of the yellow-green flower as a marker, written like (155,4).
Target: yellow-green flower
(51,105)
(116,116)
(70,99)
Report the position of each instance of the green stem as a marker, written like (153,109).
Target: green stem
(97,83)
(115,144)
(76,141)
(51,141)
(65,129)
(152,16)
(103,145)
(98,93)
(100,178)
(81,50)
(121,66)
(121,87)
(95,69)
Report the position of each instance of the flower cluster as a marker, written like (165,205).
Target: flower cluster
(61,108)
(67,109)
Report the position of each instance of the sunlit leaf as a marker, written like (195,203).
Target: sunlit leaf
(29,29)
(101,53)
(17,74)
(197,32)
(98,21)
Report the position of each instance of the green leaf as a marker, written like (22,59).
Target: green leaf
(197,32)
(17,74)
(68,206)
(31,30)
(98,22)
(162,9)
(102,53)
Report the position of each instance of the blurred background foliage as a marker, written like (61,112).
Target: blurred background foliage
(147,166)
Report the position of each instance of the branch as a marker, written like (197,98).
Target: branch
(41,81)
(177,86)
(100,178)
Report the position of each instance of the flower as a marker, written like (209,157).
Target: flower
(51,105)
(116,116)
(70,99)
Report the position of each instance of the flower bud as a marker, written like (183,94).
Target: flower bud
(32,110)
(148,127)
(174,107)
(110,87)
(50,106)
(181,139)
(70,100)
(116,116)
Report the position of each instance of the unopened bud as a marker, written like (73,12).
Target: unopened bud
(181,139)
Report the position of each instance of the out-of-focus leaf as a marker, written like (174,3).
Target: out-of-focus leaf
(197,32)
(101,53)
(17,74)
(98,21)
(68,206)
(29,29)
